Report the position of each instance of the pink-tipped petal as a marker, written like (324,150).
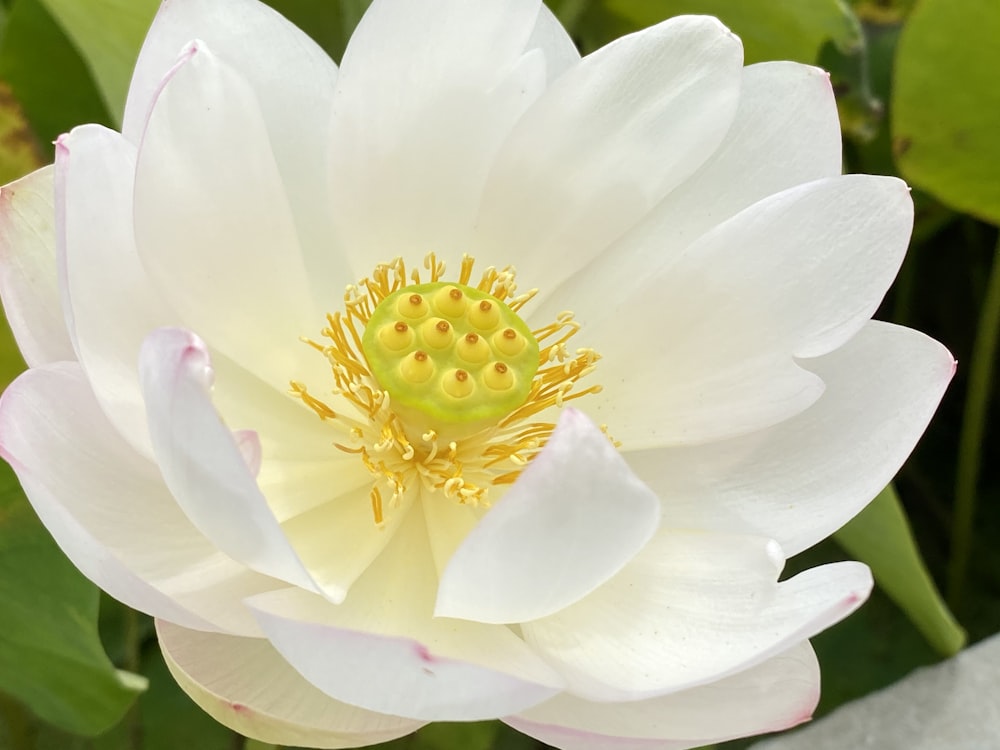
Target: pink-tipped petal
(201,461)
(574,518)
(383,649)
(110,313)
(775,695)
(246,685)
(692,607)
(108,509)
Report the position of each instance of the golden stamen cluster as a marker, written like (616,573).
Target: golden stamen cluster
(421,342)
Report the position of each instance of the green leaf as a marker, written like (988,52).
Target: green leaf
(50,654)
(330,24)
(167,719)
(946,103)
(770,29)
(108,35)
(46,74)
(881,537)
(445,736)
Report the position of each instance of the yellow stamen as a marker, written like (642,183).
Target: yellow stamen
(405,448)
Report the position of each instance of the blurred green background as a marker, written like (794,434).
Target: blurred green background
(918,97)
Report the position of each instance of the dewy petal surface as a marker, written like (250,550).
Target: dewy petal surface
(201,462)
(28,270)
(606,142)
(691,608)
(794,275)
(775,695)
(574,518)
(418,117)
(109,511)
(246,685)
(383,649)
(213,224)
(803,479)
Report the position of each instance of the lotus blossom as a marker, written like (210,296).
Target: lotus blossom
(469,380)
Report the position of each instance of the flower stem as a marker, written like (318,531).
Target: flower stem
(973,426)
(133,663)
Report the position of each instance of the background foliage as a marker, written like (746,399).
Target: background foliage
(918,98)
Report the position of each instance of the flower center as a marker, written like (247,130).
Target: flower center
(453,353)
(441,387)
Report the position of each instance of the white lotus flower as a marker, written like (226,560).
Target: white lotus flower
(352,515)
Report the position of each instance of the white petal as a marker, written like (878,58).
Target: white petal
(213,225)
(610,138)
(246,685)
(200,461)
(574,518)
(427,91)
(382,649)
(772,696)
(339,539)
(286,68)
(803,479)
(693,607)
(108,509)
(295,487)
(448,525)
(794,275)
(113,305)
(786,132)
(293,81)
(28,270)
(551,38)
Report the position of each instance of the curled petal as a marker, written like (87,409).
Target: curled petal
(775,695)
(201,461)
(246,685)
(574,518)
(794,275)
(108,510)
(803,479)
(383,649)
(693,607)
